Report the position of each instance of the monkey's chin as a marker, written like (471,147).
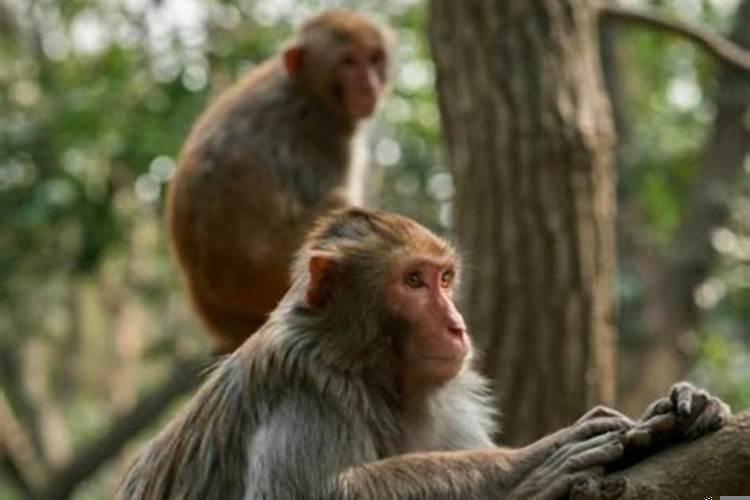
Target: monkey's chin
(444,368)
(361,107)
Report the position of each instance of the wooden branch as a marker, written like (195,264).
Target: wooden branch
(184,376)
(13,471)
(17,454)
(717,464)
(719,46)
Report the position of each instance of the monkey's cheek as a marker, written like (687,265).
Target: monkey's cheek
(457,347)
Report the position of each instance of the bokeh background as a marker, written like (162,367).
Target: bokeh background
(96,98)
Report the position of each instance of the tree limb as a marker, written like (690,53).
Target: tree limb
(184,376)
(17,454)
(719,46)
(717,464)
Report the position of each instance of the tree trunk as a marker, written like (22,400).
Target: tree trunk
(530,140)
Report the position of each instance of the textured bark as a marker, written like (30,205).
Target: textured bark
(530,142)
(718,464)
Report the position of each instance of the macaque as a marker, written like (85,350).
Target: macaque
(268,157)
(361,386)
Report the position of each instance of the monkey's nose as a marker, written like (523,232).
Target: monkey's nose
(457,331)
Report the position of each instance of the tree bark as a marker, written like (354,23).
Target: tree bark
(530,141)
(717,464)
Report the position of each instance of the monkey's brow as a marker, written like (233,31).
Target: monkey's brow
(437,261)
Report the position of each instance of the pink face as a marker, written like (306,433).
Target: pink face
(421,293)
(361,75)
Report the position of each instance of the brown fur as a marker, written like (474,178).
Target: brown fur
(268,157)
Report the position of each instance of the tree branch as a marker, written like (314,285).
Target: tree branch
(719,46)
(714,465)
(184,376)
(17,453)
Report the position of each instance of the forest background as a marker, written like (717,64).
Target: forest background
(97,344)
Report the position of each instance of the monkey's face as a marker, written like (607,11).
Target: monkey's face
(341,59)
(420,292)
(359,78)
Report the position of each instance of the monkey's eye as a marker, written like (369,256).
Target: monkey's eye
(446,279)
(377,57)
(414,280)
(348,60)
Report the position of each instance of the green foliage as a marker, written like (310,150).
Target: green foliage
(670,87)
(725,364)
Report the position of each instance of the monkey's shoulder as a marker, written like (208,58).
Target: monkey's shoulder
(266,112)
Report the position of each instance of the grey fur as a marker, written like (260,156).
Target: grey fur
(310,406)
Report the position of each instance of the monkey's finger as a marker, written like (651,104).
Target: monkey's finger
(595,456)
(714,415)
(600,425)
(646,434)
(683,395)
(659,407)
(659,424)
(639,438)
(604,411)
(699,405)
(573,456)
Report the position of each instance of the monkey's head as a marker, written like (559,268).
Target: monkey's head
(380,288)
(341,58)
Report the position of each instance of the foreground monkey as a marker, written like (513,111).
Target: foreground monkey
(360,386)
(267,158)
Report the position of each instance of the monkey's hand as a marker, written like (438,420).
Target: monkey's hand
(606,412)
(685,414)
(573,455)
(694,412)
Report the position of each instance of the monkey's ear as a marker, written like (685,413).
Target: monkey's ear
(293,59)
(322,269)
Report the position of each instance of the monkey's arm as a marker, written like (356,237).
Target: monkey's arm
(308,450)
(545,470)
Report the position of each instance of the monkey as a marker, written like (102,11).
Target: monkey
(361,385)
(265,159)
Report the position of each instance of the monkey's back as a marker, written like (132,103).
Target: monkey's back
(206,451)
(231,441)
(261,164)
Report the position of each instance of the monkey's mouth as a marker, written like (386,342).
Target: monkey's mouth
(448,358)
(361,104)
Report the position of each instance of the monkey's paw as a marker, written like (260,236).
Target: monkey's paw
(696,412)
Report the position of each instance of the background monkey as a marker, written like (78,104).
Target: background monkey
(268,157)
(360,386)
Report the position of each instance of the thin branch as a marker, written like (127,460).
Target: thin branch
(719,46)
(12,470)
(17,453)
(184,376)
